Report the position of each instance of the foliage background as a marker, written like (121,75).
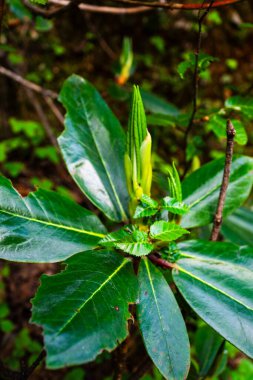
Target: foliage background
(47,52)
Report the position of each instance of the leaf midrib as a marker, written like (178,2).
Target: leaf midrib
(51,224)
(212,287)
(159,314)
(206,195)
(123,214)
(212,261)
(76,312)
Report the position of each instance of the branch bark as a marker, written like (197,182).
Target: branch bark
(180,6)
(161,262)
(26,83)
(25,373)
(43,118)
(105,9)
(225,182)
(134,6)
(201,18)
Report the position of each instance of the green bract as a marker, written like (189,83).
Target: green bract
(84,309)
(138,153)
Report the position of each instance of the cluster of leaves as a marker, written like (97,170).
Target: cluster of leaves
(84,309)
(28,134)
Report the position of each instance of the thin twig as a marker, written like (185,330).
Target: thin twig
(105,9)
(172,5)
(225,181)
(48,95)
(50,13)
(25,373)
(27,83)
(161,262)
(201,18)
(43,118)
(135,6)
(35,364)
(54,109)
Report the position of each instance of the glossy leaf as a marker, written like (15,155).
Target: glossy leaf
(216,279)
(137,244)
(174,183)
(129,240)
(41,228)
(147,207)
(201,190)
(158,105)
(207,345)
(241,104)
(160,120)
(173,206)
(84,309)
(166,231)
(93,146)
(161,323)
(218,125)
(238,227)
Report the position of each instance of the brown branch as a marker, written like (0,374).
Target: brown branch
(54,109)
(43,118)
(172,5)
(48,95)
(225,181)
(105,9)
(25,373)
(29,371)
(135,6)
(27,83)
(201,18)
(49,13)
(161,262)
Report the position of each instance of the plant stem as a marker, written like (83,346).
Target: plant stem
(161,262)
(225,181)
(26,83)
(25,373)
(201,18)
(172,5)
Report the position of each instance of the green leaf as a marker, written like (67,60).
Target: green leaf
(238,227)
(161,323)
(207,345)
(241,104)
(201,190)
(41,2)
(42,24)
(137,244)
(147,207)
(161,120)
(166,231)
(41,228)
(173,206)
(157,105)
(216,279)
(174,183)
(129,240)
(183,67)
(111,239)
(93,146)
(204,61)
(84,309)
(218,125)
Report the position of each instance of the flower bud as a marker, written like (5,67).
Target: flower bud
(138,156)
